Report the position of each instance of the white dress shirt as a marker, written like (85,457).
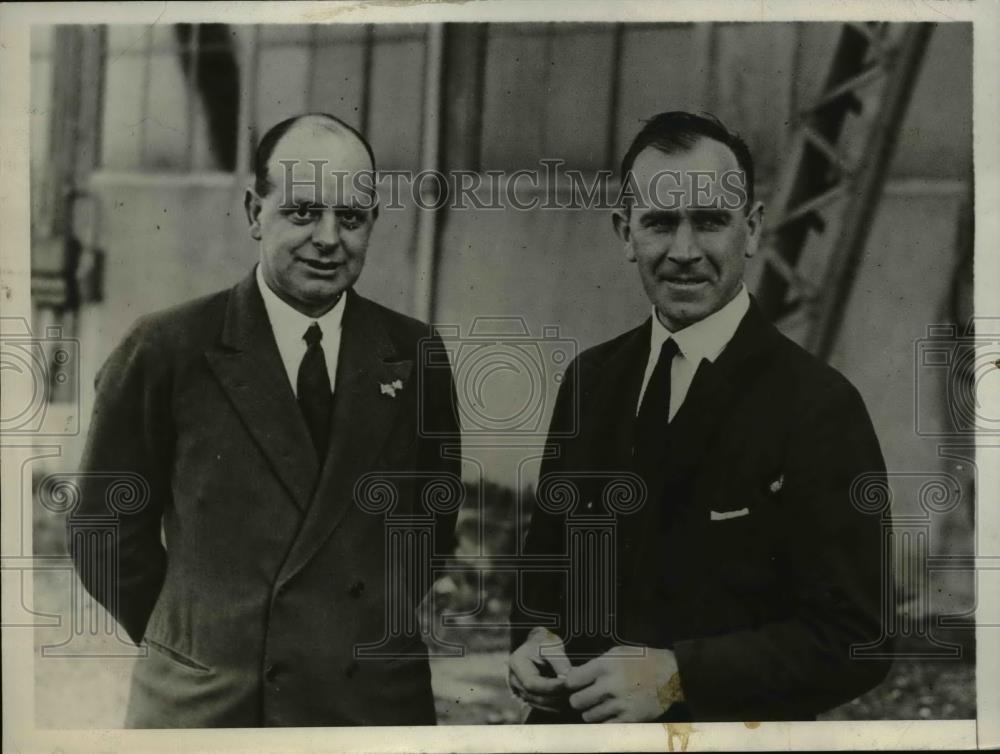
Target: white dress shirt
(703,340)
(289,325)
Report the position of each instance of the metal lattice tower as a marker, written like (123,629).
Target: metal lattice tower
(830,186)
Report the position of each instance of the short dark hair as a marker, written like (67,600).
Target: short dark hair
(262,183)
(678,131)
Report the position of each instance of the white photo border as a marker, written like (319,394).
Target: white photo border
(20,733)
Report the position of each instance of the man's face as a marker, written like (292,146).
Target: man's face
(313,233)
(691,252)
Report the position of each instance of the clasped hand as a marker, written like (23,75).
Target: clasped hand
(625,684)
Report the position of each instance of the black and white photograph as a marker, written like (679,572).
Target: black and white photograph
(537,370)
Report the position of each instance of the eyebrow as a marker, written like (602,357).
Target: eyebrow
(710,213)
(299,202)
(700,213)
(660,214)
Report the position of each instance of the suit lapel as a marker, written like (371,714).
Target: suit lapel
(363,416)
(714,390)
(605,443)
(249,368)
(606,438)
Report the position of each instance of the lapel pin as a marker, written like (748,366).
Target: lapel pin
(777,484)
(390,388)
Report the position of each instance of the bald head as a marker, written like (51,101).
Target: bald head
(297,138)
(310,212)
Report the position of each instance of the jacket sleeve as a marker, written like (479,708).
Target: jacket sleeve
(124,483)
(538,593)
(832,553)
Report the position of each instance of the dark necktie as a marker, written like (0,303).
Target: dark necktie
(313,385)
(654,414)
(652,446)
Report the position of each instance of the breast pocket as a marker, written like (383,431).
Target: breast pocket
(738,526)
(715,515)
(733,535)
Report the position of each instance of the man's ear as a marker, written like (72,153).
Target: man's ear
(755,223)
(252,206)
(620,219)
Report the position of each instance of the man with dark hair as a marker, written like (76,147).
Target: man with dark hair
(678,131)
(740,588)
(253,417)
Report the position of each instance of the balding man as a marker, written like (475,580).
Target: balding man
(252,414)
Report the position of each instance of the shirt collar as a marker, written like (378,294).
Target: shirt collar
(706,338)
(292,323)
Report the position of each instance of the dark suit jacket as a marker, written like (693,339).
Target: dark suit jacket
(272,573)
(761,609)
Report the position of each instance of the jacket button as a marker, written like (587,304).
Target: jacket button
(270,672)
(356,588)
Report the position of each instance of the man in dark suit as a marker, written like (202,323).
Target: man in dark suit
(254,417)
(740,586)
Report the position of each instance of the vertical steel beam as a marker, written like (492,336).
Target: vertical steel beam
(367,62)
(614,99)
(430,159)
(246,127)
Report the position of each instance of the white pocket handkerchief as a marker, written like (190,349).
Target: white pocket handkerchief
(725,515)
